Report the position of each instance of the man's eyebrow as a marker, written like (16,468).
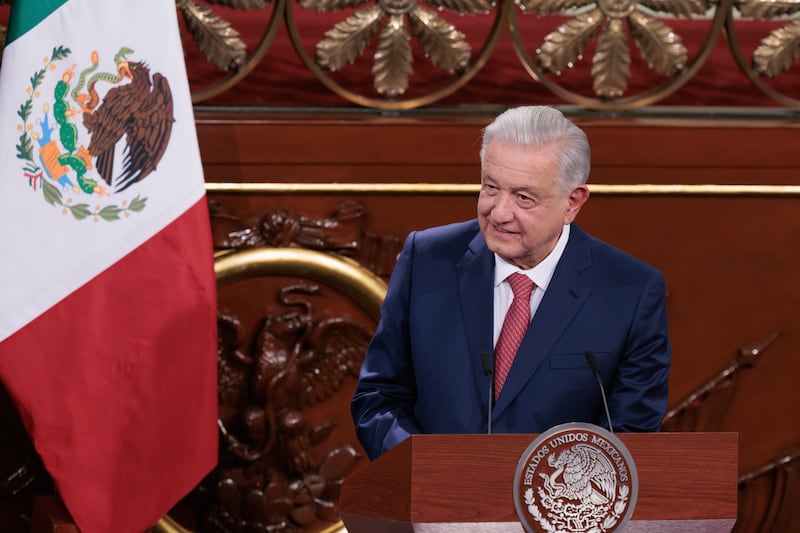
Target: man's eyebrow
(526,189)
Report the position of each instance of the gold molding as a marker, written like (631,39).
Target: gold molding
(339,272)
(600,189)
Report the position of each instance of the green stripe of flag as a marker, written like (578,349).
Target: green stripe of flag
(25,14)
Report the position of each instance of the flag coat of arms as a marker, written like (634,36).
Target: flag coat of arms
(107,289)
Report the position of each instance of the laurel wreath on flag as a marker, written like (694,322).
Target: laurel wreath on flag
(25,151)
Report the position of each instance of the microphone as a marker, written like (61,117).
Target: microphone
(592,359)
(487,371)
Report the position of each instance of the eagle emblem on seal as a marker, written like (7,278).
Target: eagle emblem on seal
(587,476)
(575,477)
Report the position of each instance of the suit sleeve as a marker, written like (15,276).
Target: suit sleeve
(383,404)
(638,397)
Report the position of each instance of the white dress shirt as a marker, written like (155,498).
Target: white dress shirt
(541,275)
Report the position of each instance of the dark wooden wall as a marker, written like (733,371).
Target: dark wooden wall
(729,255)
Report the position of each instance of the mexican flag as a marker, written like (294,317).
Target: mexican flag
(107,288)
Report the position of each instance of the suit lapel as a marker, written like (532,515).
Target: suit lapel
(475,291)
(564,297)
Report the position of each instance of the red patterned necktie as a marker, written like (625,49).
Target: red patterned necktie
(514,327)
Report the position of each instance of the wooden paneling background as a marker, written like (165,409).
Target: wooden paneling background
(729,256)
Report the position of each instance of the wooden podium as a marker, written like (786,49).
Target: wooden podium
(432,483)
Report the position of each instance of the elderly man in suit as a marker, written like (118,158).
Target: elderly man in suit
(523,287)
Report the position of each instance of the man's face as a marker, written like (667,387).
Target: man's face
(522,206)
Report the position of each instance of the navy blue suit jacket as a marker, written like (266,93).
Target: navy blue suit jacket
(423,372)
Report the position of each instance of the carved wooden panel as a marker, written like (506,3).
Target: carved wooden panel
(294,325)
(705,408)
(768,497)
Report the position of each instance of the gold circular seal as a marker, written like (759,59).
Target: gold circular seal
(575,477)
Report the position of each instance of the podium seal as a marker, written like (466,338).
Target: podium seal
(575,477)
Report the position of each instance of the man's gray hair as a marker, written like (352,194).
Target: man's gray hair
(540,125)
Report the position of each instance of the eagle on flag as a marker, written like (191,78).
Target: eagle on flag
(141,111)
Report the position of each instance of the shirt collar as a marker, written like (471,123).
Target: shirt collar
(542,273)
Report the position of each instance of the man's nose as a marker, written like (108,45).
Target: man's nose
(503,209)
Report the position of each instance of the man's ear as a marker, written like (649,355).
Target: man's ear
(577,197)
